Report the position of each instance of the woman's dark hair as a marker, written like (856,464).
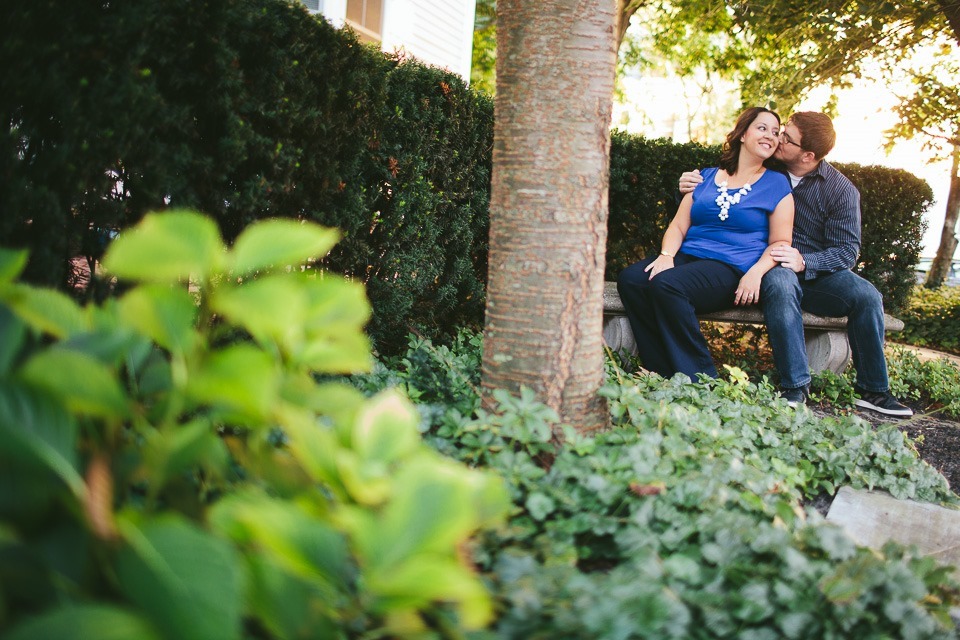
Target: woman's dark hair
(730,152)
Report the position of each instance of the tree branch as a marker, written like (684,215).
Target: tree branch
(951,10)
(625,11)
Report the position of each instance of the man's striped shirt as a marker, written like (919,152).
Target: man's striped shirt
(826,225)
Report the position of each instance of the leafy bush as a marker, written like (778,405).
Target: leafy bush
(171,468)
(685,520)
(932,319)
(935,384)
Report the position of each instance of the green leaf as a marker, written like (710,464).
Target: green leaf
(84,384)
(47,310)
(12,263)
(345,353)
(167,247)
(35,429)
(12,334)
(540,506)
(420,581)
(239,378)
(279,243)
(188,582)
(335,305)
(272,309)
(166,315)
(287,605)
(386,429)
(335,315)
(172,451)
(436,504)
(295,539)
(84,622)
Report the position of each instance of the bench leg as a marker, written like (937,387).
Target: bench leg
(618,336)
(826,349)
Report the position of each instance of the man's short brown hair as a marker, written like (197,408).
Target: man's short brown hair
(816,132)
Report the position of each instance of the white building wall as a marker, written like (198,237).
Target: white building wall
(436,32)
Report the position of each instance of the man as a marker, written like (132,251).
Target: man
(815,273)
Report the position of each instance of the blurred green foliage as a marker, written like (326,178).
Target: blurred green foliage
(171,468)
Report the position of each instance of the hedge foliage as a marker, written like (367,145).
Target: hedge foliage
(892,204)
(252,109)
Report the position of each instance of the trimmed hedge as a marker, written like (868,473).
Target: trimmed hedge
(245,110)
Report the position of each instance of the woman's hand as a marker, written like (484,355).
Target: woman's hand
(661,264)
(748,291)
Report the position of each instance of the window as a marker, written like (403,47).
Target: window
(365,17)
(313,6)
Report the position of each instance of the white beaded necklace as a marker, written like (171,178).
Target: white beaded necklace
(725,200)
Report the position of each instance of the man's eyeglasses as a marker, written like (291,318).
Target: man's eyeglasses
(786,140)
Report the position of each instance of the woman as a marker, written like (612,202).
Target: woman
(714,253)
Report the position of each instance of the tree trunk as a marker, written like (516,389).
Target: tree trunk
(948,239)
(548,209)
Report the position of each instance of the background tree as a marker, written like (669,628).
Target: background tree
(834,47)
(483,71)
(548,208)
(933,113)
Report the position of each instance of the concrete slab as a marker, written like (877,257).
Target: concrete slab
(872,518)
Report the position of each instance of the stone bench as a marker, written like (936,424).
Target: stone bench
(826,338)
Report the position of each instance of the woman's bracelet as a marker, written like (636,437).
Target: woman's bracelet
(665,253)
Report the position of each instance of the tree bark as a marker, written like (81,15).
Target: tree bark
(556,61)
(940,267)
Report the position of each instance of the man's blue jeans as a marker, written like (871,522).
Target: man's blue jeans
(783,293)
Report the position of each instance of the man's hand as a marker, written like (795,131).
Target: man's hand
(689,181)
(788,257)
